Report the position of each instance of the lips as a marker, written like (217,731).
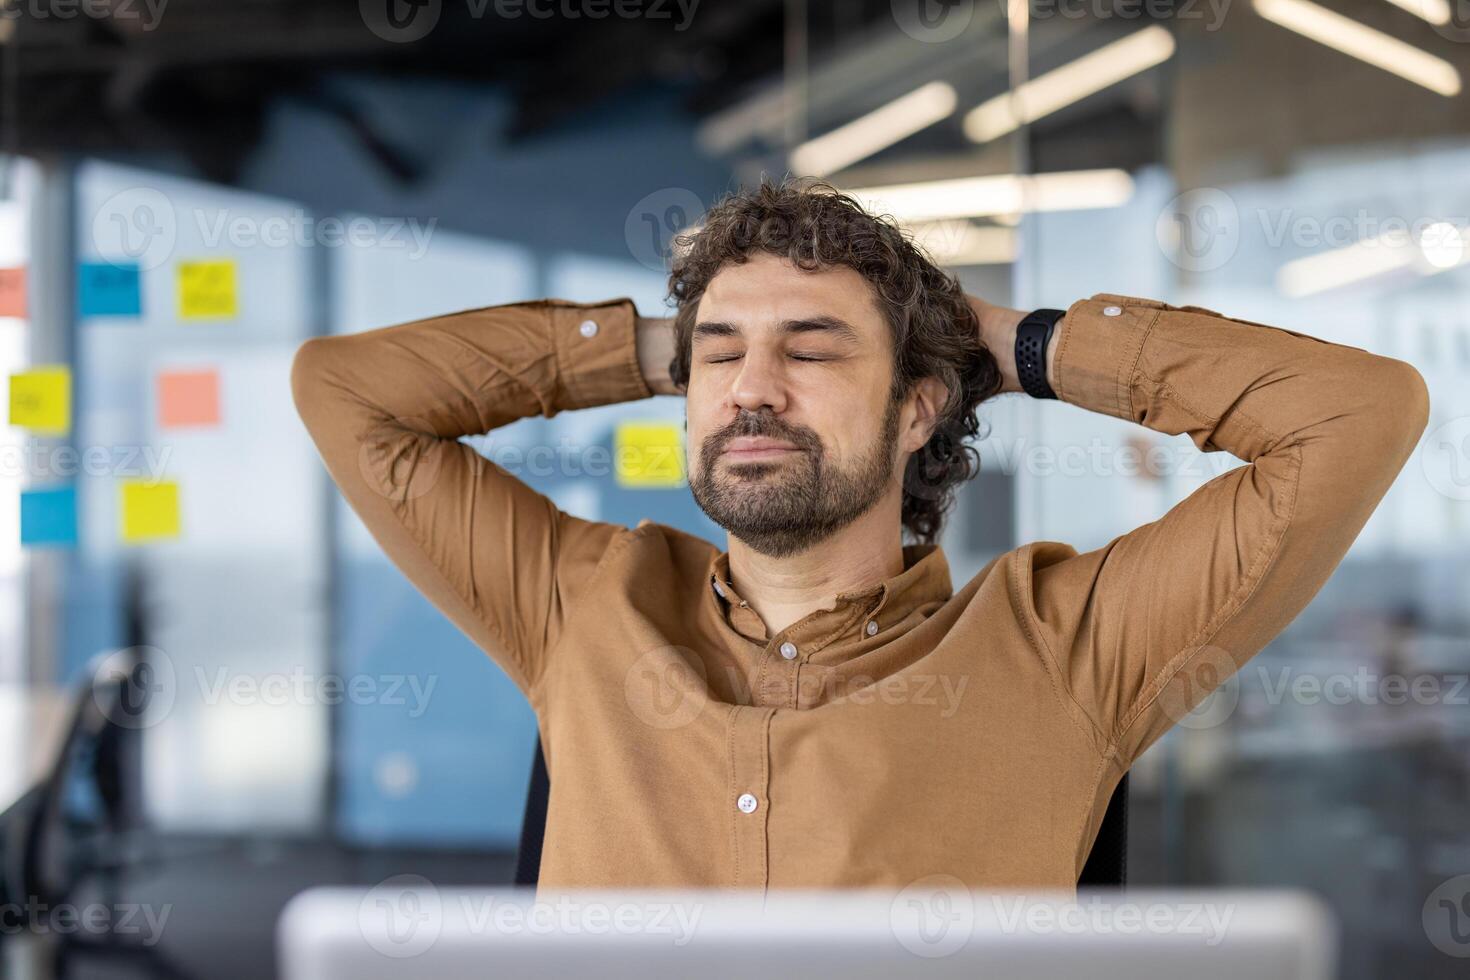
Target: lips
(756,444)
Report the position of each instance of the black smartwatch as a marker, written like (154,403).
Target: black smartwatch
(1032,337)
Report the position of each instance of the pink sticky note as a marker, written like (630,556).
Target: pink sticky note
(188,398)
(13,292)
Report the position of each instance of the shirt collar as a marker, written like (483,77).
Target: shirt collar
(924,580)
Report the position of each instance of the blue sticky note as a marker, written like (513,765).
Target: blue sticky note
(107,289)
(48,516)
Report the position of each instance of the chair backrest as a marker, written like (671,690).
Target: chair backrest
(533,826)
(1107,862)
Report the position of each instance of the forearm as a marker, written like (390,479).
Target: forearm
(998,332)
(469,372)
(655,340)
(1142,360)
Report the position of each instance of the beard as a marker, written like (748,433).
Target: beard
(783,506)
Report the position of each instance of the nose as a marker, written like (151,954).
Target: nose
(760,384)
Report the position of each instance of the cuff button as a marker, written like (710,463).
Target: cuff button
(588,328)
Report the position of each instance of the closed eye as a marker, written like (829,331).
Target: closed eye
(794,357)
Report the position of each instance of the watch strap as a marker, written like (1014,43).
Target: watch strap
(1033,335)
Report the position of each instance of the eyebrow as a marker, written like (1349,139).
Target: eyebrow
(832,326)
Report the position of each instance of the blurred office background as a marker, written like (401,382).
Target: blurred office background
(191,190)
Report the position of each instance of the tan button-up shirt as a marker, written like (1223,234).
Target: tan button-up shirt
(910,729)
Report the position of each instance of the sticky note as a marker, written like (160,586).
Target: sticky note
(150,511)
(648,455)
(188,398)
(107,289)
(13,292)
(40,400)
(207,290)
(48,516)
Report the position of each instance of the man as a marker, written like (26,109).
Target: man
(816,706)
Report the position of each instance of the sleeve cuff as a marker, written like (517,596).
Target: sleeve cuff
(596,353)
(1101,341)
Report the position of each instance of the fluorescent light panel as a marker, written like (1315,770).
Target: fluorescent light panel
(1362,42)
(1441,245)
(1056,89)
(1433,11)
(875,131)
(961,242)
(971,197)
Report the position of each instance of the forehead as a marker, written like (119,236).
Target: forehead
(767,290)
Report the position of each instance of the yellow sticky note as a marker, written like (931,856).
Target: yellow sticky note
(40,399)
(150,511)
(207,290)
(648,454)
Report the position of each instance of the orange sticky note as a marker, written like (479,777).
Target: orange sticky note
(13,292)
(188,398)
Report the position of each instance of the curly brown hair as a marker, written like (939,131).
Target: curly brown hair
(932,325)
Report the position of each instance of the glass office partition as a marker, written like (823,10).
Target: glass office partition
(1337,759)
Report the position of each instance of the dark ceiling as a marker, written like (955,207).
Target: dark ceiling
(192,80)
(193,77)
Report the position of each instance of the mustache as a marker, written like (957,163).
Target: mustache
(758,426)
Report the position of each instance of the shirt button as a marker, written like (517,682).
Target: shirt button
(588,328)
(788,650)
(872,626)
(746,803)
(1112,310)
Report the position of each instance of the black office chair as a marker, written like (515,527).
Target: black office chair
(1107,863)
(50,852)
